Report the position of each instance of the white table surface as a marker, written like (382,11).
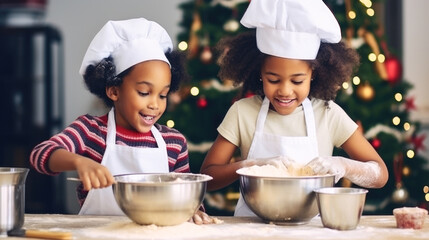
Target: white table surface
(117,227)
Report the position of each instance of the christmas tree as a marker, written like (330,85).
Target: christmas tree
(376,98)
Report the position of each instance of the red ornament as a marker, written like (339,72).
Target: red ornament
(418,142)
(202,102)
(249,94)
(409,104)
(398,166)
(376,143)
(393,68)
(206,55)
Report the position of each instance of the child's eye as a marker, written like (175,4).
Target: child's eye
(143,93)
(273,81)
(297,82)
(163,96)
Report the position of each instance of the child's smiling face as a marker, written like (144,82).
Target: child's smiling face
(142,97)
(286,83)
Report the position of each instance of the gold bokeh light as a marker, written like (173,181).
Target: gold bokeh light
(398,97)
(194,91)
(396,121)
(352,14)
(182,45)
(170,123)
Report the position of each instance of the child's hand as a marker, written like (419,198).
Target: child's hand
(364,174)
(201,217)
(93,174)
(328,165)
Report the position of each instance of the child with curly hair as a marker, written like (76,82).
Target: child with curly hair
(294,63)
(131,66)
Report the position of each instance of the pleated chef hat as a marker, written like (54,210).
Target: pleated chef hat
(291,28)
(128,42)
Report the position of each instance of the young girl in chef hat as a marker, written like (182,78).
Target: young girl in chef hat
(295,64)
(130,65)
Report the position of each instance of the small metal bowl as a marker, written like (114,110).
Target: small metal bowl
(340,208)
(283,200)
(162,199)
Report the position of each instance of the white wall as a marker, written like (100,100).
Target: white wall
(415,61)
(416,53)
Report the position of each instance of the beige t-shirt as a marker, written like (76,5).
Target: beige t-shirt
(333,125)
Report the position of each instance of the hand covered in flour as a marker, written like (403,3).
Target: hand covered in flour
(201,217)
(363,174)
(328,165)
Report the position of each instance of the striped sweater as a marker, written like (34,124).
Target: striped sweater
(86,136)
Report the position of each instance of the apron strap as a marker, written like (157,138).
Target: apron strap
(158,137)
(262,115)
(111,125)
(309,118)
(260,121)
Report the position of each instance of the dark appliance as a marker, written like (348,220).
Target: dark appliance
(31,82)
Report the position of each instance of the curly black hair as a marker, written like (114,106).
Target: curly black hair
(240,61)
(99,76)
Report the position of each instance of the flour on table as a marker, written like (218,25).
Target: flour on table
(379,227)
(186,230)
(246,230)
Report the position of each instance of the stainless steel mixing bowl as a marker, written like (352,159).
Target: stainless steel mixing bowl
(163,199)
(283,200)
(340,207)
(12,198)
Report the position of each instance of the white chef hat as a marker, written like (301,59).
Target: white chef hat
(291,28)
(128,42)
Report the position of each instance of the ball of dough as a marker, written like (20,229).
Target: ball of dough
(410,217)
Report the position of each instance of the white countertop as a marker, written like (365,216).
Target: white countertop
(117,227)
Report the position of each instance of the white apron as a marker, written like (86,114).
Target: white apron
(265,145)
(120,159)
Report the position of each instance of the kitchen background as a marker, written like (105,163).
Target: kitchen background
(42,44)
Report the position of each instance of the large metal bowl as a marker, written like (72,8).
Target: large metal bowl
(283,200)
(163,199)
